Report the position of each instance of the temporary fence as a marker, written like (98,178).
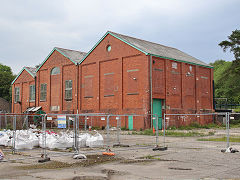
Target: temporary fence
(101,132)
(69,134)
(17,136)
(221,139)
(232,120)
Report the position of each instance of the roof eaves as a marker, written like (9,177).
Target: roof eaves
(51,54)
(114,35)
(65,55)
(46,59)
(93,47)
(180,60)
(24,68)
(29,72)
(17,76)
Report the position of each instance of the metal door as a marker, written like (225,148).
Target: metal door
(130,122)
(157,109)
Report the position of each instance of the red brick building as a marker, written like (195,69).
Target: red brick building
(125,75)
(57,81)
(23,90)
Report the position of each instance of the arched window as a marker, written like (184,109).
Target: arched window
(55,71)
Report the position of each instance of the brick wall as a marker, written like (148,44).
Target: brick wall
(55,100)
(118,82)
(23,82)
(185,88)
(115,82)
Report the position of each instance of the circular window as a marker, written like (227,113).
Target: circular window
(109,48)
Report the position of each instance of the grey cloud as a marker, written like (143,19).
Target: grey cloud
(30,29)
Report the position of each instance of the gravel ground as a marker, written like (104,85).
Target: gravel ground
(185,158)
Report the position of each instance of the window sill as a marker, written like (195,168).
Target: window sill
(109,95)
(88,96)
(132,93)
(68,99)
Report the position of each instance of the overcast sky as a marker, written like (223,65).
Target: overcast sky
(30,29)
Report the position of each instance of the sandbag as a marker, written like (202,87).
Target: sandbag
(95,141)
(23,140)
(4,139)
(82,139)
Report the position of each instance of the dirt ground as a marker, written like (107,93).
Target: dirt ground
(185,158)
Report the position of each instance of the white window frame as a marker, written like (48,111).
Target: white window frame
(17,94)
(68,90)
(43,92)
(55,71)
(32,93)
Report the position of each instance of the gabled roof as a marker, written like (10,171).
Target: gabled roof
(76,56)
(72,55)
(154,49)
(31,70)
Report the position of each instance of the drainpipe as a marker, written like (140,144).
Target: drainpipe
(35,80)
(214,104)
(151,94)
(77,84)
(13,98)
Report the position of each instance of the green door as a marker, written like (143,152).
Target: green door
(157,109)
(130,122)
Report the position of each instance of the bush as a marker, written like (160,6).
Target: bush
(237,110)
(124,129)
(9,126)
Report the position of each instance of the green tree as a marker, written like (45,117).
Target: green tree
(233,44)
(6,77)
(227,74)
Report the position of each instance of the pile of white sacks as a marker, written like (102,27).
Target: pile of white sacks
(28,139)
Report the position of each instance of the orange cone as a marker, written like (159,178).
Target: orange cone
(153,130)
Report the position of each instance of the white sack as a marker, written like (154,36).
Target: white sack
(95,141)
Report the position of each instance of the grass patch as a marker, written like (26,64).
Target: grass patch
(156,157)
(231,139)
(90,161)
(124,129)
(198,126)
(132,161)
(149,132)
(235,125)
(183,134)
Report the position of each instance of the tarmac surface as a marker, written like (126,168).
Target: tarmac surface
(185,158)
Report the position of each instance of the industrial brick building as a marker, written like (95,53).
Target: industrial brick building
(121,75)
(23,90)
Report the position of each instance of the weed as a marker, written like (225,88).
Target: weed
(211,133)
(90,161)
(231,139)
(124,129)
(149,132)
(9,126)
(197,126)
(56,149)
(96,128)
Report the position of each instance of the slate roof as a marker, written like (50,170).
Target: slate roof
(150,48)
(75,56)
(31,70)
